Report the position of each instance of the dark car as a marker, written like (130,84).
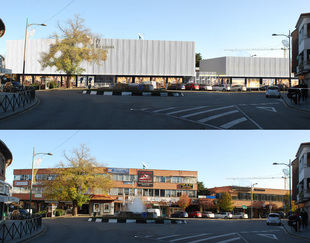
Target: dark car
(23,214)
(179,215)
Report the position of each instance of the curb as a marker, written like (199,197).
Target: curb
(293,107)
(36,235)
(293,234)
(136,221)
(118,93)
(22,111)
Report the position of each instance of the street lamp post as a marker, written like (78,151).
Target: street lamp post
(25,46)
(252,186)
(34,154)
(289,165)
(289,36)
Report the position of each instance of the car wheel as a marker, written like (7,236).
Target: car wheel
(267,96)
(224,90)
(240,218)
(225,217)
(267,223)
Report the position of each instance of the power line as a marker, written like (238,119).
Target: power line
(60,11)
(66,140)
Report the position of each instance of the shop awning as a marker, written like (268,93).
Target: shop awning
(102,198)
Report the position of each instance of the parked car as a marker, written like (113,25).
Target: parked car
(273,219)
(179,214)
(220,87)
(223,215)
(240,216)
(273,91)
(203,87)
(195,214)
(208,214)
(237,88)
(154,211)
(192,86)
(176,86)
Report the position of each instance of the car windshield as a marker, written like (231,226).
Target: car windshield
(273,216)
(273,88)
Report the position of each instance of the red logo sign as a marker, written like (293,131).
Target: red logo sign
(145,178)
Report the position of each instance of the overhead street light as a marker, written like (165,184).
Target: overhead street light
(252,186)
(289,165)
(25,46)
(34,154)
(289,36)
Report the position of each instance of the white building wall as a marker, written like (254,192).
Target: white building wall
(128,57)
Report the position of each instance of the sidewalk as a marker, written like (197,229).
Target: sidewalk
(303,106)
(305,234)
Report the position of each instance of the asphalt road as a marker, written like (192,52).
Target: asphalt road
(80,230)
(201,110)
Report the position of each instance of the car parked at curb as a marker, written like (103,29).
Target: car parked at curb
(240,216)
(223,215)
(192,86)
(237,88)
(195,214)
(274,219)
(208,214)
(273,91)
(220,87)
(179,214)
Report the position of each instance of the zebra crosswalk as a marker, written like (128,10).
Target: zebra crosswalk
(216,117)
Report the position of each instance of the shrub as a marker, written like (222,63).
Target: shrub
(60,212)
(53,85)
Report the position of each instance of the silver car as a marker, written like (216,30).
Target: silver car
(273,91)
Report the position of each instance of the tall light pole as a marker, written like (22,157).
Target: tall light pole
(25,46)
(34,154)
(252,186)
(289,36)
(289,165)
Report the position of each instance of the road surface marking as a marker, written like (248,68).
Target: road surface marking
(272,109)
(271,236)
(188,237)
(255,123)
(166,109)
(233,123)
(207,111)
(190,109)
(218,116)
(212,237)
(166,237)
(229,240)
(242,238)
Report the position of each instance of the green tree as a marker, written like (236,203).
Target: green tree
(198,59)
(225,203)
(202,190)
(184,201)
(77,180)
(74,45)
(287,204)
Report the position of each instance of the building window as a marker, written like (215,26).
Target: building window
(308,30)
(106,207)
(156,192)
(308,56)
(162,193)
(162,179)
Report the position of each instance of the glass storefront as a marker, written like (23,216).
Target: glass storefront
(253,83)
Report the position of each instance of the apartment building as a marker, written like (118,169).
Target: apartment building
(156,188)
(301,42)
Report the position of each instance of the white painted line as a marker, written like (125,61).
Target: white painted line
(98,220)
(84,92)
(90,219)
(188,237)
(166,109)
(126,93)
(108,93)
(166,237)
(93,92)
(190,109)
(242,238)
(270,236)
(218,116)
(255,123)
(233,123)
(229,240)
(212,237)
(128,221)
(113,221)
(206,111)
(272,109)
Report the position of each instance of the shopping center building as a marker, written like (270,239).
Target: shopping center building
(156,188)
(128,61)
(251,72)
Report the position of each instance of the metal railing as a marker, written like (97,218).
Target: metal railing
(13,101)
(17,230)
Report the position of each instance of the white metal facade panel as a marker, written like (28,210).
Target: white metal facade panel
(128,57)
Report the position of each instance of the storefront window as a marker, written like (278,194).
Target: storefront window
(156,192)
(253,83)
(145,192)
(162,193)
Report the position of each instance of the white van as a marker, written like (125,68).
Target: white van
(155,211)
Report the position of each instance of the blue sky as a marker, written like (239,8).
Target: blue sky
(216,155)
(213,25)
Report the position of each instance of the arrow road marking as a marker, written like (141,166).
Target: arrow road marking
(271,236)
(272,109)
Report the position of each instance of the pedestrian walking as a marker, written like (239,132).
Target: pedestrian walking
(304,92)
(304,218)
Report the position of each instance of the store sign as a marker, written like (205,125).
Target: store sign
(185,186)
(2,28)
(118,171)
(145,178)
(128,182)
(38,195)
(21,183)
